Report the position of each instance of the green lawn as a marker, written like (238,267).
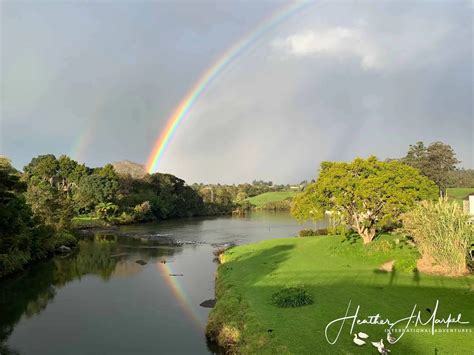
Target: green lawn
(267,197)
(334,272)
(85,221)
(459,193)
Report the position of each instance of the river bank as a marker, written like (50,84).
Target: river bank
(334,273)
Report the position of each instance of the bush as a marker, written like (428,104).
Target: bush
(291,297)
(443,235)
(306,233)
(124,218)
(312,232)
(283,205)
(12,262)
(63,238)
(142,212)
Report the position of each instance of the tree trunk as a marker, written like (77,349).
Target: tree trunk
(367,235)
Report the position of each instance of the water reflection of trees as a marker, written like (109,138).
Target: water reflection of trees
(30,292)
(92,258)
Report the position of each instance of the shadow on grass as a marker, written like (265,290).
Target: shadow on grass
(247,283)
(302,330)
(266,262)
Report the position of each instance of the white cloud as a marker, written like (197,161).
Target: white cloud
(338,41)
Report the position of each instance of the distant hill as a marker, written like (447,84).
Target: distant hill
(127,167)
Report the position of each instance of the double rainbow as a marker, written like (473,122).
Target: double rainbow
(210,74)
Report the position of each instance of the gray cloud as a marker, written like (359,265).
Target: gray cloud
(337,81)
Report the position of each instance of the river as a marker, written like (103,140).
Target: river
(99,300)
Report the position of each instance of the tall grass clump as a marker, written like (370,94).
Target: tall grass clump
(443,234)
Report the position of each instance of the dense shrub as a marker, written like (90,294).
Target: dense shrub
(443,235)
(124,218)
(63,238)
(312,232)
(291,297)
(283,205)
(12,262)
(142,212)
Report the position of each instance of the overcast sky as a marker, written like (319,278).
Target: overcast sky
(98,81)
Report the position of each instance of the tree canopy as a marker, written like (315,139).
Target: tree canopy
(366,194)
(437,162)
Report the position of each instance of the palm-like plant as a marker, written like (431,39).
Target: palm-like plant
(105,210)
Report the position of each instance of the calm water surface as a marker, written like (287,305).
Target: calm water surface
(100,301)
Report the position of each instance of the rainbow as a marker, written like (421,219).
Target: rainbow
(173,283)
(210,74)
(83,144)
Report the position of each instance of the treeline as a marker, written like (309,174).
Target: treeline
(41,205)
(60,189)
(227,198)
(461,178)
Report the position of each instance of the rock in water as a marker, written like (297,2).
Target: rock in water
(208,303)
(141,262)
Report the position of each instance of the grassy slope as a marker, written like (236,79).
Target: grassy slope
(267,197)
(459,193)
(334,273)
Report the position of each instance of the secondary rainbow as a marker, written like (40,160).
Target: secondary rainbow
(210,74)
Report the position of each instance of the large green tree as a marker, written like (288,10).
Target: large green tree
(436,161)
(22,237)
(365,194)
(50,204)
(15,216)
(48,189)
(94,189)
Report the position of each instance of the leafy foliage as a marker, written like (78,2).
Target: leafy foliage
(23,236)
(95,189)
(49,204)
(105,210)
(366,194)
(291,297)
(463,178)
(437,162)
